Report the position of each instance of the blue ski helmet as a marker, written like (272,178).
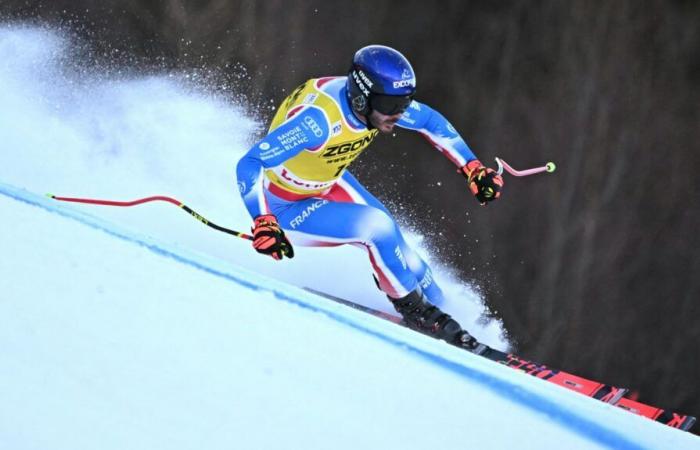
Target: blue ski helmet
(380,79)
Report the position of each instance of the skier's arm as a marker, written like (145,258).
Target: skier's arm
(438,131)
(307,129)
(483,182)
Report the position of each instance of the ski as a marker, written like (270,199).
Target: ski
(600,391)
(681,421)
(594,389)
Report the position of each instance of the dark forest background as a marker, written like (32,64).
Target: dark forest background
(593,269)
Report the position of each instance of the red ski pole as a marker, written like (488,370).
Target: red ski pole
(139,201)
(549,167)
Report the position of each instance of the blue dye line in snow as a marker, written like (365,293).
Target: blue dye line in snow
(536,402)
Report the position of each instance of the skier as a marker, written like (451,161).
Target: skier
(297,188)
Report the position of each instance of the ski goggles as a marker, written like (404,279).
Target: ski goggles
(390,105)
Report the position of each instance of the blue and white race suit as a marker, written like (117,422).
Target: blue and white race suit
(298,172)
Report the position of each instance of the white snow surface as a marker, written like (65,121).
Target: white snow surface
(139,328)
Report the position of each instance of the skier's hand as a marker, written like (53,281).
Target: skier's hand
(483,182)
(269,239)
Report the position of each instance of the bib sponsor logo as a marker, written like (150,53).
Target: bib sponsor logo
(311,123)
(310,98)
(346,147)
(337,128)
(268,152)
(294,95)
(293,138)
(299,182)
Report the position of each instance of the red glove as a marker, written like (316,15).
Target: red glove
(269,239)
(484,183)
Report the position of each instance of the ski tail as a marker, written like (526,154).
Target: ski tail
(681,421)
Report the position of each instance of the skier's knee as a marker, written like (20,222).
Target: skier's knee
(378,225)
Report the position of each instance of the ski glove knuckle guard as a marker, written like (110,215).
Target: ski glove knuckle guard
(483,182)
(269,239)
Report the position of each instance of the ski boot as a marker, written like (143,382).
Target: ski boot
(428,319)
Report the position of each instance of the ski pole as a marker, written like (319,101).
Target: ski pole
(139,201)
(549,167)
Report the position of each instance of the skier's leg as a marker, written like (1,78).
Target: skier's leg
(418,307)
(336,220)
(326,222)
(349,189)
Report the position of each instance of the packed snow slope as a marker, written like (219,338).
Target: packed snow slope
(140,328)
(112,340)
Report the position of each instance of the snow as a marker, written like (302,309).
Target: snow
(112,339)
(80,131)
(139,328)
